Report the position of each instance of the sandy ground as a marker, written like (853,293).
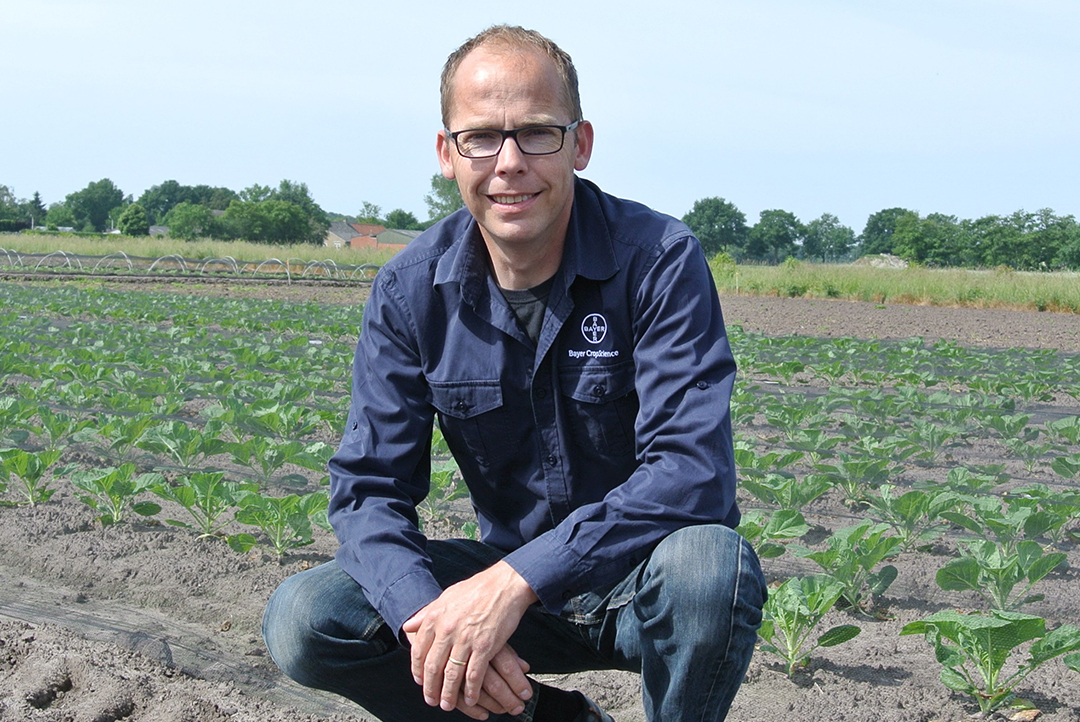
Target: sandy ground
(145,622)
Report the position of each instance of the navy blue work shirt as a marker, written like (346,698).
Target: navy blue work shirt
(582,451)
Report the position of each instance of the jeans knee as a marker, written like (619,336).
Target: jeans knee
(318,622)
(708,573)
(287,630)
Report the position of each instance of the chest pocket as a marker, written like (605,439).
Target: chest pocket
(473,418)
(601,406)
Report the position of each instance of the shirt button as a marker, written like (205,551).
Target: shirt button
(598,391)
(541,393)
(552,459)
(461,406)
(702,385)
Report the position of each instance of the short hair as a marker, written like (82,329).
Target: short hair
(512,37)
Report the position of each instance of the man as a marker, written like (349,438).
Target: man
(571,345)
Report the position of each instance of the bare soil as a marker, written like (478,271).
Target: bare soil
(144,622)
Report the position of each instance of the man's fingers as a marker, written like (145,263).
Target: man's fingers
(511,669)
(496,691)
(485,706)
(453,679)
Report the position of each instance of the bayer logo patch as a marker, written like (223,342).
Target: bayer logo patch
(594,328)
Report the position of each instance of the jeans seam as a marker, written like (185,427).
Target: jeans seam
(731,624)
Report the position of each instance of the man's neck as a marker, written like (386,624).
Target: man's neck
(519,268)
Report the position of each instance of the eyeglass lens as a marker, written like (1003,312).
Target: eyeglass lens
(535,140)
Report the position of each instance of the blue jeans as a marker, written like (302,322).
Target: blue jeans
(686,619)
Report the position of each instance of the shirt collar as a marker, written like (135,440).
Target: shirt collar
(589,250)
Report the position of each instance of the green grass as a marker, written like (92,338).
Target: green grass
(997,288)
(147,247)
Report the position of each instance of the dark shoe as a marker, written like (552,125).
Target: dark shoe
(592,712)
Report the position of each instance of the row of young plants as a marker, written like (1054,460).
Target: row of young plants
(215,403)
(201,410)
(903,462)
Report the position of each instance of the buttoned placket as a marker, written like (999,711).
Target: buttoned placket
(545,397)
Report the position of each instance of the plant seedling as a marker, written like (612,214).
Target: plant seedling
(853,553)
(186,445)
(785,491)
(112,491)
(118,436)
(444,488)
(994,570)
(14,414)
(981,645)
(914,516)
(762,530)
(855,476)
(286,521)
(791,614)
(29,468)
(1066,429)
(1029,452)
(266,457)
(205,496)
(56,427)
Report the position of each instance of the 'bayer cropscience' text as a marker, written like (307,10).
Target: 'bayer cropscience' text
(592,353)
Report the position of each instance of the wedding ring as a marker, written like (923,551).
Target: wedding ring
(458,662)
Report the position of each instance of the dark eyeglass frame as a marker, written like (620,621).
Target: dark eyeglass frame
(513,133)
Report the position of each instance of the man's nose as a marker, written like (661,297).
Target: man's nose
(510,158)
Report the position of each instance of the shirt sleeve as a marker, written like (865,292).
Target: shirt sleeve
(684,376)
(381,470)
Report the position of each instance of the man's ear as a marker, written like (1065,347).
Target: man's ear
(583,145)
(442,148)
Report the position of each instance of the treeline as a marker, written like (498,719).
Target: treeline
(261,214)
(1021,240)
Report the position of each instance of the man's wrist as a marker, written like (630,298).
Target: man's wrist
(519,591)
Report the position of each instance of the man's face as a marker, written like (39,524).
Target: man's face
(518,200)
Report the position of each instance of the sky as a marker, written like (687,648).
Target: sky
(963,107)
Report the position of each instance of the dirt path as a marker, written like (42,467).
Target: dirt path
(967,326)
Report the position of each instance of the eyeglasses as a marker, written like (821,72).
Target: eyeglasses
(531,140)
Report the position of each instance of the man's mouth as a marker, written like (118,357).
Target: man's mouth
(511,200)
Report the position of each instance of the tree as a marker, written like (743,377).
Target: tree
(10,216)
(59,216)
(1069,253)
(402,220)
(775,236)
(160,199)
(9,210)
(255,193)
(877,235)
(133,221)
(371,214)
(36,210)
(444,198)
(298,195)
(718,225)
(270,221)
(938,240)
(827,239)
(220,198)
(92,204)
(190,221)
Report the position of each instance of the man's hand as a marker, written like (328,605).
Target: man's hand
(459,643)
